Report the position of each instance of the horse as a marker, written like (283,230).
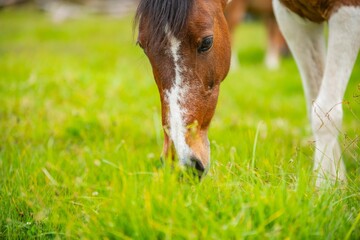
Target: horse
(188,45)
(325,72)
(276,46)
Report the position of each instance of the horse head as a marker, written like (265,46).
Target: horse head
(188,45)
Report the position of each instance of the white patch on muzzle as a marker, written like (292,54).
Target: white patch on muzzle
(175,98)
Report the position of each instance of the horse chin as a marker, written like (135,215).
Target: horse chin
(188,160)
(199,166)
(194,169)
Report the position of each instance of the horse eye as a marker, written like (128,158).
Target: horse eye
(206,44)
(211,84)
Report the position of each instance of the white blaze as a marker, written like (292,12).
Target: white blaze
(175,98)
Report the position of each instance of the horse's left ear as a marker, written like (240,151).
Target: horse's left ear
(225,2)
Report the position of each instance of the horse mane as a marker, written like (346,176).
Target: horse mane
(162,14)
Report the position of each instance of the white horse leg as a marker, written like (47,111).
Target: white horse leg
(234,63)
(307,44)
(343,47)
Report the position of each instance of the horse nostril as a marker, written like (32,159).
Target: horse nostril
(198,164)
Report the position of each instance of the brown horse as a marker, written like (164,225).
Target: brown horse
(235,12)
(188,45)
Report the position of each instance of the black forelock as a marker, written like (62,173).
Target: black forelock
(161,14)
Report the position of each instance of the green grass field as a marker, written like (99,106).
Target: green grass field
(80,138)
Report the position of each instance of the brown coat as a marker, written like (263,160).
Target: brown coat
(317,10)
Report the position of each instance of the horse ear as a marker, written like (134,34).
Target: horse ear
(225,2)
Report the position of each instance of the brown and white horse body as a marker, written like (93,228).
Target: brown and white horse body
(325,71)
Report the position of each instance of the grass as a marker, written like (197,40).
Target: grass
(81,136)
